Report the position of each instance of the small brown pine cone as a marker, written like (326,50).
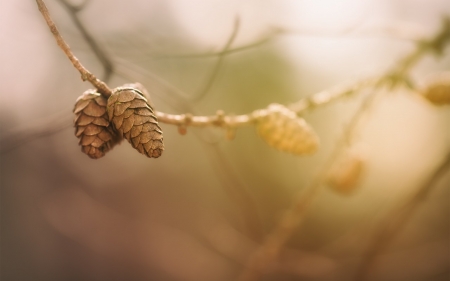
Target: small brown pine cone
(437,90)
(133,118)
(92,125)
(282,129)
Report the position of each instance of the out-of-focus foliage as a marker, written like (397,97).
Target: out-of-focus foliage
(127,217)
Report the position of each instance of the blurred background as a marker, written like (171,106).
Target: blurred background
(200,210)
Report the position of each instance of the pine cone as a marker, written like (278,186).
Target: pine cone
(133,118)
(346,172)
(437,90)
(92,125)
(282,129)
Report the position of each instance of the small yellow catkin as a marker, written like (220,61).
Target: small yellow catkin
(133,118)
(92,126)
(283,130)
(437,89)
(346,172)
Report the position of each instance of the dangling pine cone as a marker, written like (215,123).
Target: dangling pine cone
(92,125)
(346,173)
(282,129)
(133,118)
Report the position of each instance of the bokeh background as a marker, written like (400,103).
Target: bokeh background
(180,217)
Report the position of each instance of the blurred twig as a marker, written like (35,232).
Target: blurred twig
(399,30)
(238,193)
(96,48)
(34,130)
(394,222)
(270,249)
(215,70)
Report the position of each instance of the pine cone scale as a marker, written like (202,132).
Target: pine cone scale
(136,130)
(80,105)
(86,140)
(120,108)
(138,103)
(84,120)
(79,131)
(94,110)
(128,113)
(136,140)
(128,123)
(105,136)
(101,101)
(101,122)
(126,96)
(117,121)
(92,129)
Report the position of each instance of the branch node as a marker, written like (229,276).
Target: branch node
(219,118)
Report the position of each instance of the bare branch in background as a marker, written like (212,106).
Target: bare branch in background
(238,193)
(218,64)
(395,30)
(396,220)
(96,48)
(44,127)
(270,249)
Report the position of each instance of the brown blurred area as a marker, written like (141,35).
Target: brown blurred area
(181,216)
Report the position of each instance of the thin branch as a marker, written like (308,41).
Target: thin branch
(96,48)
(237,191)
(85,74)
(171,94)
(270,249)
(393,224)
(218,64)
(263,40)
(44,127)
(396,30)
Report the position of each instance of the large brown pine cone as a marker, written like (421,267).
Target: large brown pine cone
(92,125)
(133,118)
(282,129)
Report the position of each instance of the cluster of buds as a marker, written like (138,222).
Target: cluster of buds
(101,123)
(282,129)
